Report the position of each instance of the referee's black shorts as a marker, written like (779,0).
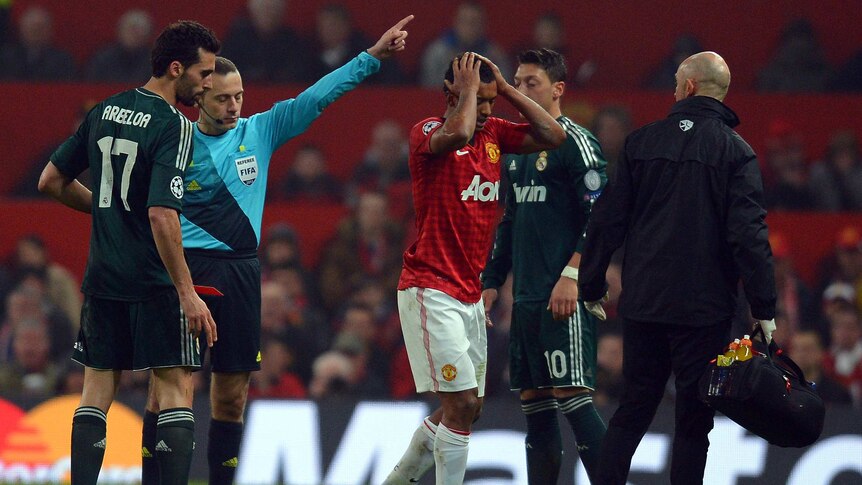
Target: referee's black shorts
(237,313)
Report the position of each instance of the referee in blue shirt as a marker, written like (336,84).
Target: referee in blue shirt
(225,188)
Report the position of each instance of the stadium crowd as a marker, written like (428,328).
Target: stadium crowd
(333,329)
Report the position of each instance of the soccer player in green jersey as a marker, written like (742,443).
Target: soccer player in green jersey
(140,308)
(552,344)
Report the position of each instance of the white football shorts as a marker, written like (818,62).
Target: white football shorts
(446,340)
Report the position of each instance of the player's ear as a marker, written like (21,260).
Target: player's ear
(559,88)
(690,87)
(176,69)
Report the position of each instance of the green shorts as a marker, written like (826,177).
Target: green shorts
(544,352)
(136,335)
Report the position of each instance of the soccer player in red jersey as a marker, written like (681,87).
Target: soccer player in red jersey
(454,164)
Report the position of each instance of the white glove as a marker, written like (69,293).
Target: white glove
(595,307)
(768,327)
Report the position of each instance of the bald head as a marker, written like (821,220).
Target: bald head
(703,74)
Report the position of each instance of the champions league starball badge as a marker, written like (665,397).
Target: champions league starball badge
(592,180)
(542,161)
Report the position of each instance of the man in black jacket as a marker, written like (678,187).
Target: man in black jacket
(687,200)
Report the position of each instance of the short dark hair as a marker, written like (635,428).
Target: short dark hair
(486,75)
(224,66)
(180,41)
(550,60)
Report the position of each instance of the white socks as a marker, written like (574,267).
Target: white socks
(417,459)
(450,453)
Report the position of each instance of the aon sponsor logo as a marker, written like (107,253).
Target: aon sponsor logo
(531,193)
(481,191)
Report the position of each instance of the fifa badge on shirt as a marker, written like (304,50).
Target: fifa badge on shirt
(542,161)
(592,180)
(493,152)
(449,372)
(246,168)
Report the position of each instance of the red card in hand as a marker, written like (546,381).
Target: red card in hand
(208,290)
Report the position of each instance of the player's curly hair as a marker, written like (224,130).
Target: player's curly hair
(180,42)
(486,75)
(550,60)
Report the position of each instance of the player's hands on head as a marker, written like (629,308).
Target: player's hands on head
(392,41)
(498,76)
(199,317)
(465,72)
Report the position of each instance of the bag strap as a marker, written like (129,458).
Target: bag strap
(777,356)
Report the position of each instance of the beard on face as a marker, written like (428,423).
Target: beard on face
(186,93)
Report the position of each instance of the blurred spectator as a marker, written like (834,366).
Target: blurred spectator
(611,125)
(127,59)
(849,77)
(281,318)
(263,48)
(844,263)
(796,306)
(281,260)
(385,160)
(62,291)
(663,77)
(275,378)
(468,33)
(34,57)
(798,64)
(333,374)
(836,182)
(26,302)
(548,32)
(609,372)
(843,362)
(337,41)
(31,372)
(27,185)
(808,353)
(368,244)
(838,297)
(786,187)
(309,179)
(280,247)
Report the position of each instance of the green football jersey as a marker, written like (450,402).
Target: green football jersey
(136,146)
(548,205)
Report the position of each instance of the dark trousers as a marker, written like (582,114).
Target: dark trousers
(650,352)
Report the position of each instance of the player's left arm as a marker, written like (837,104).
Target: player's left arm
(586,166)
(292,117)
(545,133)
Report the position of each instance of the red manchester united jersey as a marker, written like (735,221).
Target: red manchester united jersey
(455,195)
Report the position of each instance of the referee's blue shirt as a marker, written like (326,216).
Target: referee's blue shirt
(226,179)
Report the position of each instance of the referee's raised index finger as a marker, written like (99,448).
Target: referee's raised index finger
(403,22)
